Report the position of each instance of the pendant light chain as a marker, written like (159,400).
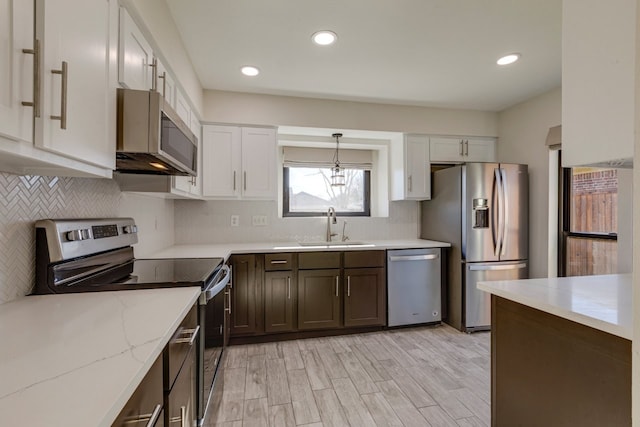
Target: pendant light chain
(337,173)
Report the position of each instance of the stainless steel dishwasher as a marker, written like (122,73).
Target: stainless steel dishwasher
(414,286)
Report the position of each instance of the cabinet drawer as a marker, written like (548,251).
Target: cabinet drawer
(146,402)
(181,342)
(362,259)
(278,262)
(313,260)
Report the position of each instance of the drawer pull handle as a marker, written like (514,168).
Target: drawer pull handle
(188,340)
(278,261)
(151,418)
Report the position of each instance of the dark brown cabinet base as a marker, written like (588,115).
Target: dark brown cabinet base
(319,299)
(279,301)
(365,297)
(550,371)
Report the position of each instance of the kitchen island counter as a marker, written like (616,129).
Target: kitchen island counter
(225,250)
(561,351)
(75,359)
(600,302)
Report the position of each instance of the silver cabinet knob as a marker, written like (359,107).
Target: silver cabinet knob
(130,229)
(77,235)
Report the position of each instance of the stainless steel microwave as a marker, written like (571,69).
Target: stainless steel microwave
(152,138)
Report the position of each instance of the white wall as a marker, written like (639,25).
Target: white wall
(523,131)
(244,108)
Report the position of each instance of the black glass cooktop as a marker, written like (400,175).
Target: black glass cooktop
(185,271)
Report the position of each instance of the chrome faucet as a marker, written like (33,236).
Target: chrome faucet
(331,218)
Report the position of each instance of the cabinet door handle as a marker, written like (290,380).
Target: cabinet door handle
(466,145)
(410,183)
(245,181)
(228,307)
(348,286)
(462,147)
(188,340)
(154,74)
(181,419)
(150,418)
(36,78)
(64,72)
(337,278)
(234,180)
(164,83)
(288,287)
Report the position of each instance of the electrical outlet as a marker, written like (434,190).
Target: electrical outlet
(235,220)
(259,220)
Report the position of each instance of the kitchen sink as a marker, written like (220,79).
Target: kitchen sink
(347,244)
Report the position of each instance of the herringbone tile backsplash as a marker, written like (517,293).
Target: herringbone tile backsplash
(25,199)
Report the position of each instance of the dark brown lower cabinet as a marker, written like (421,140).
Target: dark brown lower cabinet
(319,299)
(181,400)
(245,295)
(279,301)
(364,297)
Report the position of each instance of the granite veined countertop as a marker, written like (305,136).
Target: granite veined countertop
(75,359)
(224,250)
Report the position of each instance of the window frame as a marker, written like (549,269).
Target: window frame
(285,199)
(564,219)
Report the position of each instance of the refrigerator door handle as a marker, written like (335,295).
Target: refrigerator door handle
(413,257)
(485,267)
(505,217)
(498,245)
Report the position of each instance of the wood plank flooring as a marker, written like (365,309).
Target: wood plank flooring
(422,376)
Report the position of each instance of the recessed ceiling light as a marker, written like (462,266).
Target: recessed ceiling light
(508,59)
(324,38)
(250,71)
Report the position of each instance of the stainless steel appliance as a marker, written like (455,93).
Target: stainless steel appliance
(152,138)
(90,255)
(414,286)
(482,209)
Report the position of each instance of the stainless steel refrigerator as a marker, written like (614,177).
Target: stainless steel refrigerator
(482,209)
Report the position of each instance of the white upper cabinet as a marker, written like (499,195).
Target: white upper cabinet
(598,81)
(191,186)
(411,169)
(16,69)
(165,84)
(74,80)
(135,55)
(258,163)
(183,108)
(239,162)
(221,160)
(460,150)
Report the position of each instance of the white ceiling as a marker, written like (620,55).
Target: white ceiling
(438,53)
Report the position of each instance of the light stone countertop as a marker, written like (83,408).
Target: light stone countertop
(75,359)
(601,302)
(224,250)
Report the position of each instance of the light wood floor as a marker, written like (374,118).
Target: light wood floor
(423,376)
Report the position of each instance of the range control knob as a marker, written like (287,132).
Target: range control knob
(130,229)
(76,235)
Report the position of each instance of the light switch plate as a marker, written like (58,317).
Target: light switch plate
(259,220)
(235,220)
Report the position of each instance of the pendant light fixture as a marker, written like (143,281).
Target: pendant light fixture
(337,173)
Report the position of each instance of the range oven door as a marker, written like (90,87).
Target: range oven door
(214,308)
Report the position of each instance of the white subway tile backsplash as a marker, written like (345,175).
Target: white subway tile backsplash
(210,222)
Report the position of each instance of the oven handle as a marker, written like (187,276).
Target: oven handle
(215,288)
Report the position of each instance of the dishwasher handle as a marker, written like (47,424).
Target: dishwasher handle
(413,257)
